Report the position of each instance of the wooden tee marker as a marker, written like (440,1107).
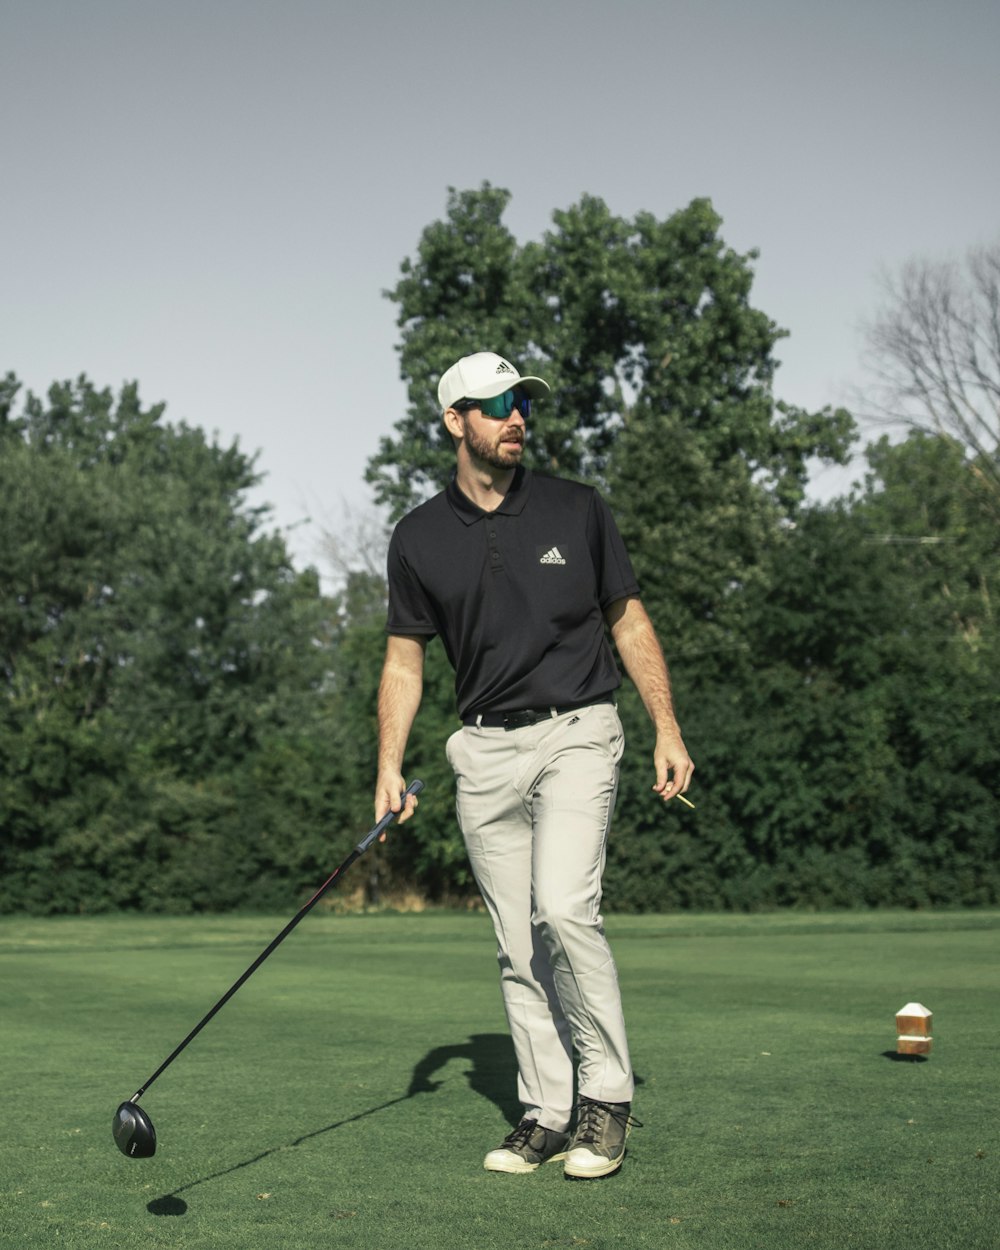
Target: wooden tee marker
(913,1030)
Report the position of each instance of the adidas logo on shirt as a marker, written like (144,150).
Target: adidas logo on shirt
(552,556)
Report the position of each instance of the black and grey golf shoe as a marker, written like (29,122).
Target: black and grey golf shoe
(598,1144)
(526,1147)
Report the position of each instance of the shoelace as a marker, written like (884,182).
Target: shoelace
(591,1117)
(520,1135)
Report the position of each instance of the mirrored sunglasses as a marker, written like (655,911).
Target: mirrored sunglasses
(499,407)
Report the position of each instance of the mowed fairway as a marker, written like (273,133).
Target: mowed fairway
(346,1095)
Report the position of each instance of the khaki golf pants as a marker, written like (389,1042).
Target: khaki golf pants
(534,806)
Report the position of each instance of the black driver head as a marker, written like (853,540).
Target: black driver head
(134,1132)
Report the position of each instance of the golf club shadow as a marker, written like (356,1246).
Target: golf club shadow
(170,1204)
(492,1075)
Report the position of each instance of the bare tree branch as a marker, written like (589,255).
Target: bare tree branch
(356,544)
(934,353)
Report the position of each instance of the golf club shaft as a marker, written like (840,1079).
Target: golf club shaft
(413,788)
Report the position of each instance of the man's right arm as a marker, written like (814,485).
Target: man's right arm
(398,699)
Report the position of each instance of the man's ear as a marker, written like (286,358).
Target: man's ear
(454,424)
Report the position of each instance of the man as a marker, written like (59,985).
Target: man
(520,575)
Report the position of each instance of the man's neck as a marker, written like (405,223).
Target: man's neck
(485,486)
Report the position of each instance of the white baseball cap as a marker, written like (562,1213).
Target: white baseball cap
(481,376)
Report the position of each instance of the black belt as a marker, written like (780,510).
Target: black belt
(529,716)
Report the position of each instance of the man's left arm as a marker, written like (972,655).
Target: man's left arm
(642,656)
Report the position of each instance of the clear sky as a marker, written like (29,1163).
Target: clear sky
(209,196)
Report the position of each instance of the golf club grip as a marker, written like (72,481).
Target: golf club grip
(413,788)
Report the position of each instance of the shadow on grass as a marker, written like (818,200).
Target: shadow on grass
(492,1075)
(896,1057)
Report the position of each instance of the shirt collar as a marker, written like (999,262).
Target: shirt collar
(512,504)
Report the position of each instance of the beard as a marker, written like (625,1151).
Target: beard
(495,452)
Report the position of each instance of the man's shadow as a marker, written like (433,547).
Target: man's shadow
(492,1074)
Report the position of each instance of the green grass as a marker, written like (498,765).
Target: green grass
(774,1116)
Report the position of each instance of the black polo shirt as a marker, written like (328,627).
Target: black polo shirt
(517,595)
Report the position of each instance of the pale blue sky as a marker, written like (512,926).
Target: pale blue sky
(210,197)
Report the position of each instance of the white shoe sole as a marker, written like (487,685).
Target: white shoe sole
(583,1165)
(507,1161)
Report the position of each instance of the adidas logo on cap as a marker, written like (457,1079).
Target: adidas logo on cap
(552,556)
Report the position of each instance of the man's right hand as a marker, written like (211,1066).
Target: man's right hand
(389,790)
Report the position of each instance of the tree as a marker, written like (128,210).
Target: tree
(874,715)
(662,374)
(152,641)
(934,349)
(707,465)
(620,316)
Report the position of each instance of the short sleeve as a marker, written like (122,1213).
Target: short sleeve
(612,566)
(410,610)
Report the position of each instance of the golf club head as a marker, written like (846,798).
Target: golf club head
(133,1131)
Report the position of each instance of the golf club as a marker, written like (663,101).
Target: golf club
(133,1130)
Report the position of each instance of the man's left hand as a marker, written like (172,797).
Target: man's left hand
(674,767)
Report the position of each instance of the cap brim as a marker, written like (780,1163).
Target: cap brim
(536,388)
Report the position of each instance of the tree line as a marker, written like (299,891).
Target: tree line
(187,721)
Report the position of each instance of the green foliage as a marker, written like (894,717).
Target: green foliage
(835,668)
(856,764)
(628,320)
(155,647)
(187,723)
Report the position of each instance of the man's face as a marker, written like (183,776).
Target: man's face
(499,444)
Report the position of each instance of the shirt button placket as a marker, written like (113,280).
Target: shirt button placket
(496,560)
